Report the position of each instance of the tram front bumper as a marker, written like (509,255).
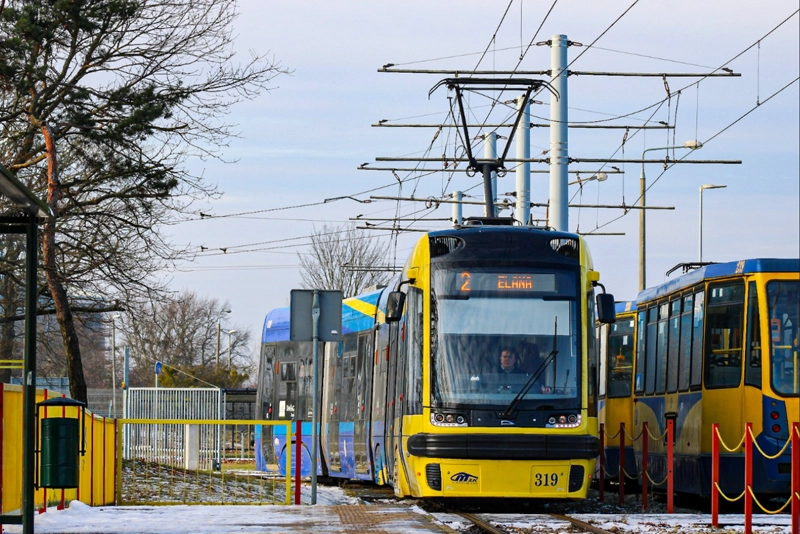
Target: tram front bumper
(504,446)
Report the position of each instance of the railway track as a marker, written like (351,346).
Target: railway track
(491,529)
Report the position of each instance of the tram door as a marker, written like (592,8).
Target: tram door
(724,321)
(390,431)
(363,394)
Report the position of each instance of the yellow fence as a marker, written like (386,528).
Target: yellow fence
(96,483)
(216,466)
(197,461)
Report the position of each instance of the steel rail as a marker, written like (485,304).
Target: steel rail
(581,524)
(491,529)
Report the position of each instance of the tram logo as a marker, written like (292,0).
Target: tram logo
(464,478)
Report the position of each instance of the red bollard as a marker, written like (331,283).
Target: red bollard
(645,442)
(621,463)
(748,478)
(795,478)
(601,476)
(298,459)
(714,475)
(670,464)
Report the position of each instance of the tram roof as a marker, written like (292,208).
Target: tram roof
(718,270)
(502,228)
(624,306)
(358,313)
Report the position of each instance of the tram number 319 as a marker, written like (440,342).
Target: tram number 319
(546,479)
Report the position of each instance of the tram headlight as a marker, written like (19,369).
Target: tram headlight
(564,421)
(448,419)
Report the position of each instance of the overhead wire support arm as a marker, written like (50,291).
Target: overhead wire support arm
(455,72)
(428,170)
(383,124)
(508,204)
(573,160)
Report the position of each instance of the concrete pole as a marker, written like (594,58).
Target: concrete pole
(457,216)
(219,320)
(559,154)
(490,153)
(642,232)
(523,175)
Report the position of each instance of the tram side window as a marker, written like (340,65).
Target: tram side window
(640,352)
(674,337)
(752,370)
(783,298)
(698,320)
(620,358)
(287,390)
(414,360)
(723,348)
(347,369)
(685,352)
(661,350)
(650,347)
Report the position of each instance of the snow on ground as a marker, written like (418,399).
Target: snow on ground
(321,519)
(624,523)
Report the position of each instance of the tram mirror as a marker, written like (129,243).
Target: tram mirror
(394,306)
(605,308)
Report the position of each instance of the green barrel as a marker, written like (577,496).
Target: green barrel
(60,466)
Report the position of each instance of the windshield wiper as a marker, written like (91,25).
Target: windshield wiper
(507,413)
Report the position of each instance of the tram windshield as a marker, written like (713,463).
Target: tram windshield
(494,331)
(783,301)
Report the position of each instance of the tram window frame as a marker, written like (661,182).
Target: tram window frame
(698,333)
(725,357)
(662,344)
(673,346)
(287,389)
(415,305)
(685,343)
(753,347)
(650,350)
(601,332)
(621,386)
(641,327)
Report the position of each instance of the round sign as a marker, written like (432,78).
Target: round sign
(158,368)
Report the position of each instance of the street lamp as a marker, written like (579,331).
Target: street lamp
(219,324)
(600,177)
(114,364)
(703,188)
(229,347)
(691,145)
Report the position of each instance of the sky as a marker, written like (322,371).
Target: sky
(302,142)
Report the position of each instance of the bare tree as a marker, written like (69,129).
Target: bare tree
(343,258)
(123,92)
(182,334)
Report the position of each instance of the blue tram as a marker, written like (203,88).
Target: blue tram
(414,396)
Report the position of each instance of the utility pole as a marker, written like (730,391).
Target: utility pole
(490,154)
(523,174)
(559,136)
